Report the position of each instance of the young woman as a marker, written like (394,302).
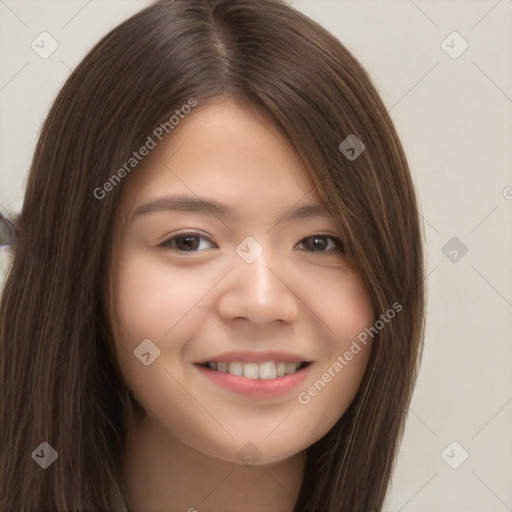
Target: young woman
(215,300)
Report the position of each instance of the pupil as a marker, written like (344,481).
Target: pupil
(188,242)
(315,245)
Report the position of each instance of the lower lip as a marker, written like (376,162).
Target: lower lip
(257,388)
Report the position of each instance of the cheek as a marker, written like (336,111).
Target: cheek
(153,301)
(352,314)
(150,303)
(348,312)
(344,305)
(161,302)
(150,298)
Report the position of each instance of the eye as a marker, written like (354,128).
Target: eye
(322,244)
(186,242)
(191,242)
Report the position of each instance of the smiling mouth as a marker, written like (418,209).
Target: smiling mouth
(264,371)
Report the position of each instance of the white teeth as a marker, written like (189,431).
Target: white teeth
(251,371)
(291,368)
(266,370)
(222,367)
(235,368)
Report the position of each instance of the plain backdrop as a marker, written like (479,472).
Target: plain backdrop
(452,107)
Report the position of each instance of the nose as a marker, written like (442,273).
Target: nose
(258,292)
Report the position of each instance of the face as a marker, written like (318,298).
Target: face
(232,299)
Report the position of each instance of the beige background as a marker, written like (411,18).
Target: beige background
(454,116)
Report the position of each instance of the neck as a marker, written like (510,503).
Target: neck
(162,474)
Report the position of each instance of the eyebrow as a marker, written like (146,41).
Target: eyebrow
(212,207)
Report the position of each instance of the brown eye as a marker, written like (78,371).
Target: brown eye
(186,242)
(322,244)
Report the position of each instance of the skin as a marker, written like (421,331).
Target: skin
(295,297)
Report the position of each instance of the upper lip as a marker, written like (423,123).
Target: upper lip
(256,357)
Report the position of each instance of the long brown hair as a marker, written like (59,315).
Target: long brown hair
(59,381)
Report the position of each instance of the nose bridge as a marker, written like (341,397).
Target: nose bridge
(257,291)
(258,277)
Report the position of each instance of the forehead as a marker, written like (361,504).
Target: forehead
(228,151)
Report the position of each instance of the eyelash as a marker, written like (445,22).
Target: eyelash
(338,244)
